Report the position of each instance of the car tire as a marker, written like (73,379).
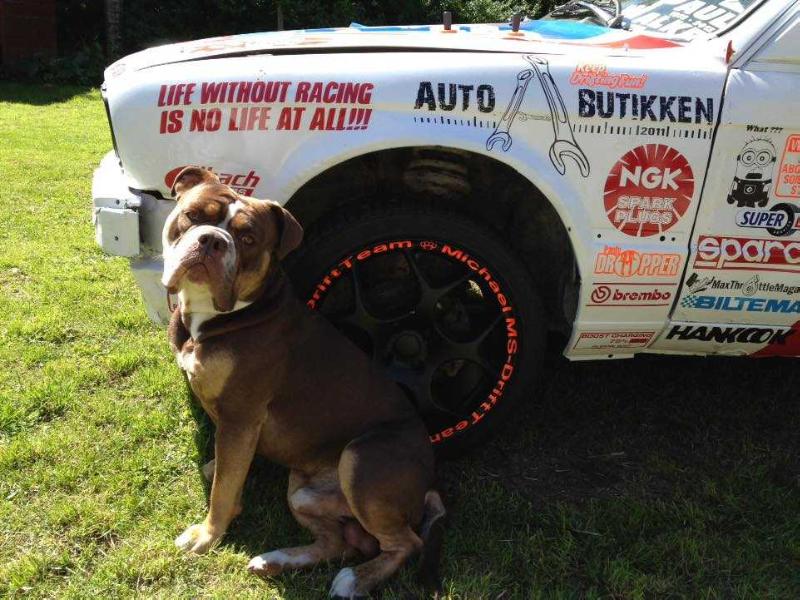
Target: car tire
(440,303)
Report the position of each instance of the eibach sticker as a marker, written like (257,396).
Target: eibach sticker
(482,272)
(648,190)
(789,172)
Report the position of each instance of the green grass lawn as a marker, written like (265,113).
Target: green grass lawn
(655,477)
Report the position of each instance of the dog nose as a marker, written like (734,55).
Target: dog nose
(212,244)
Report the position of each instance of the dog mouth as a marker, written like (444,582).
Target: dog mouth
(203,271)
(198,273)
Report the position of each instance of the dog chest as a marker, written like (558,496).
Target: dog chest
(208,372)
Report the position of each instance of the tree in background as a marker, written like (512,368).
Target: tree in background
(92,34)
(113,31)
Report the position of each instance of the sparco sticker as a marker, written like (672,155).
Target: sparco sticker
(648,190)
(747,254)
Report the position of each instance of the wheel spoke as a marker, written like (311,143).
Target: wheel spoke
(470,350)
(360,317)
(429,294)
(436,350)
(420,385)
(489,328)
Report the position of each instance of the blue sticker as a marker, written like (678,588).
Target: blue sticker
(400,28)
(560,29)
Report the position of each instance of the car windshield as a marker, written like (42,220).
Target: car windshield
(684,19)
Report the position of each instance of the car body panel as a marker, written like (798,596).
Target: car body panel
(744,267)
(614,128)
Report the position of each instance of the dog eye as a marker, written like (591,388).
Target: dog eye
(192,215)
(247,239)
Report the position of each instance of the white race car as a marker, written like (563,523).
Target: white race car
(627,174)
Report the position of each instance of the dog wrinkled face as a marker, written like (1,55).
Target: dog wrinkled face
(221,242)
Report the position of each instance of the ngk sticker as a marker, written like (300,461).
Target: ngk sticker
(648,190)
(747,254)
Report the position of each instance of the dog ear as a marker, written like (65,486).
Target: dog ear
(190,177)
(290,232)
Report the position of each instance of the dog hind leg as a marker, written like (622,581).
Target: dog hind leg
(385,476)
(358,582)
(321,509)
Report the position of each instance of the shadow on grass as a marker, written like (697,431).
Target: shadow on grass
(39,95)
(611,463)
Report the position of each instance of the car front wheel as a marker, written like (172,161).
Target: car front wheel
(440,303)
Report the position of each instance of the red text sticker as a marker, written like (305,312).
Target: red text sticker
(648,190)
(789,173)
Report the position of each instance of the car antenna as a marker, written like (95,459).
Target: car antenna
(447,20)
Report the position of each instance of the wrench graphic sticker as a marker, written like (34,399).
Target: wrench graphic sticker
(564,143)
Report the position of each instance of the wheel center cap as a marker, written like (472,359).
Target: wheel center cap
(408,345)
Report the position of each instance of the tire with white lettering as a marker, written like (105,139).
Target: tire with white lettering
(440,303)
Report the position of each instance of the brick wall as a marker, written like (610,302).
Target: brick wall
(27,29)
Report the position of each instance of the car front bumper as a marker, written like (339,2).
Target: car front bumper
(128,223)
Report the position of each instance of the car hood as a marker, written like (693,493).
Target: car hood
(556,37)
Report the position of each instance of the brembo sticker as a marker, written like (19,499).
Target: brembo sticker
(648,190)
(614,295)
(747,254)
(613,260)
(480,271)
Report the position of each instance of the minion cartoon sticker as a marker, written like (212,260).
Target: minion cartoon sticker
(753,179)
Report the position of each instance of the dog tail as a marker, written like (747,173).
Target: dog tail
(432,534)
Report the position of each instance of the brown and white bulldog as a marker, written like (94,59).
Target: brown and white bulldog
(278,380)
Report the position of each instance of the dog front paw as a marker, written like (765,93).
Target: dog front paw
(344,586)
(197,539)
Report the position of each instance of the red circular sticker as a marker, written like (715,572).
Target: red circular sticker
(648,190)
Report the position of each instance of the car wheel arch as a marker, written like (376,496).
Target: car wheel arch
(459,180)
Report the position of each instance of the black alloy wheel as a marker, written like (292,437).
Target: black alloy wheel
(439,303)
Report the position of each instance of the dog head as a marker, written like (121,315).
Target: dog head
(221,242)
